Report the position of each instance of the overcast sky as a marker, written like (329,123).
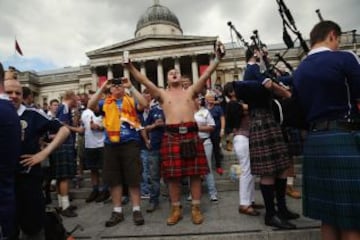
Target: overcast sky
(57,33)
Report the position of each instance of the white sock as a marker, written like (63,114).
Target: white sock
(59,200)
(65,202)
(290,181)
(195,202)
(118,209)
(136,208)
(176,204)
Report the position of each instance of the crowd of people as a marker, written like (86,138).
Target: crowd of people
(134,142)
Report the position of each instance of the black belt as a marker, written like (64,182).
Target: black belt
(203,139)
(344,125)
(181,129)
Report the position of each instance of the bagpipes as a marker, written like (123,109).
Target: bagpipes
(286,111)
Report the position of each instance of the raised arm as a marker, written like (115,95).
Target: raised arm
(199,85)
(143,103)
(94,100)
(142,79)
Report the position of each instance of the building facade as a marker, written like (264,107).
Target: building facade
(158,46)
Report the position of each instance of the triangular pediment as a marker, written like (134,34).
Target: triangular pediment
(145,43)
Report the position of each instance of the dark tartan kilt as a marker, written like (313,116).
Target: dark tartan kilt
(173,166)
(63,162)
(294,140)
(268,152)
(331,178)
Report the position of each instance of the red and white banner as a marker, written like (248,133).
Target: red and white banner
(101,80)
(202,69)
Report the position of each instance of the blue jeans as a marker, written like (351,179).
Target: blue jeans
(209,178)
(145,173)
(155,162)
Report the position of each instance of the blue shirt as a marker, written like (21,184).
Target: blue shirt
(127,133)
(10,147)
(327,83)
(259,96)
(65,116)
(34,125)
(252,72)
(157,133)
(143,117)
(216,112)
(253,93)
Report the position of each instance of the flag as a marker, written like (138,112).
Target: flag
(17,48)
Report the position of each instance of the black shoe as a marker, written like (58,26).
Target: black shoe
(103,196)
(138,218)
(152,207)
(288,215)
(277,222)
(114,219)
(68,212)
(93,195)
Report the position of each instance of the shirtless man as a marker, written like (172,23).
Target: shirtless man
(180,135)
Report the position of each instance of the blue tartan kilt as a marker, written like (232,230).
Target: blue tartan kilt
(269,154)
(63,162)
(331,178)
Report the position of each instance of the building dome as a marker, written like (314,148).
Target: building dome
(158,19)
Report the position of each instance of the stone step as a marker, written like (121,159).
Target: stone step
(222,185)
(81,189)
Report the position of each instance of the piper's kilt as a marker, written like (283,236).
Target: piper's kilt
(173,166)
(268,151)
(331,178)
(63,162)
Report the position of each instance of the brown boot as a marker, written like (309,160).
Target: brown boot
(196,216)
(292,192)
(175,216)
(229,146)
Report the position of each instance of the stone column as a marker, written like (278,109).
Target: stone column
(177,64)
(213,75)
(160,74)
(94,79)
(143,71)
(194,69)
(110,74)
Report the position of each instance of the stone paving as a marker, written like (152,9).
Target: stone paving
(222,221)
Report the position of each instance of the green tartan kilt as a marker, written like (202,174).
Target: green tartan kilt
(331,178)
(63,162)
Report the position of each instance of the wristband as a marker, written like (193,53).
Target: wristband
(98,91)
(216,60)
(132,89)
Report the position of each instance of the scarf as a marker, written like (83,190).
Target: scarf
(114,118)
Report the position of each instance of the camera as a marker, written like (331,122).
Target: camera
(115,81)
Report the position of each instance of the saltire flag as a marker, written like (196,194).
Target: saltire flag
(17,48)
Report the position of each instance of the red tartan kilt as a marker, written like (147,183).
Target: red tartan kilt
(173,165)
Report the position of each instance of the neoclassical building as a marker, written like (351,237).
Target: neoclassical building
(158,46)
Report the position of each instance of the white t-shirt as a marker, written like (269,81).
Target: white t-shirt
(93,138)
(203,118)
